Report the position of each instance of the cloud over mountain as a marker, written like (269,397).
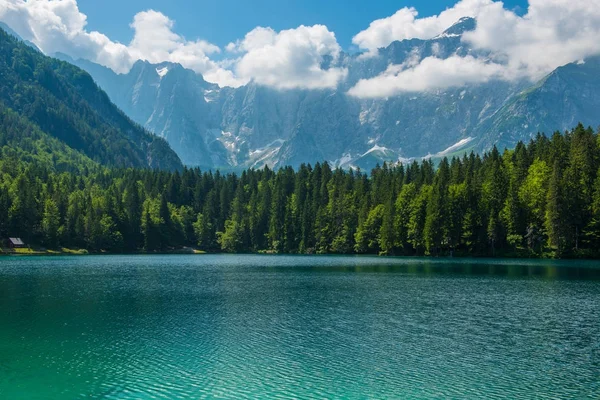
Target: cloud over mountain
(551,33)
(405,24)
(430,73)
(286,59)
(58,26)
(289,59)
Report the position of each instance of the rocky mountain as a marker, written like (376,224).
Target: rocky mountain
(567,96)
(57,104)
(254,125)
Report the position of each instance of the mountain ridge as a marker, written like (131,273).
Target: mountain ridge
(254,125)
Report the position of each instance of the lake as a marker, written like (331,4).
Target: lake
(275,327)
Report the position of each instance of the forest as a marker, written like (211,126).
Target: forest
(541,199)
(61,103)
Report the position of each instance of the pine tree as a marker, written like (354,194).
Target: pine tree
(435,231)
(418,217)
(403,211)
(555,212)
(50,223)
(133,211)
(4,207)
(166,224)
(367,236)
(592,230)
(387,234)
(152,237)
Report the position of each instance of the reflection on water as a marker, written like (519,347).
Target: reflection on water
(298,327)
(482,269)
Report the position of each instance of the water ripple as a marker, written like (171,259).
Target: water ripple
(295,328)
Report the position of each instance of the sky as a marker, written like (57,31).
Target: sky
(224,21)
(282,43)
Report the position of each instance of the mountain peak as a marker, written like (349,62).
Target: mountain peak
(164,67)
(465,24)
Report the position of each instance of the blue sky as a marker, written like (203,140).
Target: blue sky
(224,21)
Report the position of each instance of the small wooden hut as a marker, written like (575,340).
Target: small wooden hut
(15,243)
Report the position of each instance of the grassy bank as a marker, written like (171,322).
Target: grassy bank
(40,251)
(519,253)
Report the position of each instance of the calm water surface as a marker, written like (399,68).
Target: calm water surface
(152,327)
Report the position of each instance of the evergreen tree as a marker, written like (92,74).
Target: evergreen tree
(541,196)
(152,237)
(435,231)
(556,220)
(50,224)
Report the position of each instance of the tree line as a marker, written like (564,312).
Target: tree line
(540,199)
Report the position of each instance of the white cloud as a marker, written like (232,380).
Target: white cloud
(289,59)
(430,73)
(552,33)
(404,24)
(58,26)
(256,38)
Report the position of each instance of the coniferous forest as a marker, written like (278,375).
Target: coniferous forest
(540,199)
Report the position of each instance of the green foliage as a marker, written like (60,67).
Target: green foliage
(540,199)
(50,223)
(367,236)
(52,111)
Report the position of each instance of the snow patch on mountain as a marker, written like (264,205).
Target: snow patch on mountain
(455,147)
(162,72)
(265,155)
(210,95)
(343,162)
(446,35)
(377,148)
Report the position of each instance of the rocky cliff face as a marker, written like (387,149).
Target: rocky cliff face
(253,125)
(567,96)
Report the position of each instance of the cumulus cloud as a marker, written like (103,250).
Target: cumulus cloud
(430,73)
(405,24)
(552,33)
(289,59)
(58,26)
(549,34)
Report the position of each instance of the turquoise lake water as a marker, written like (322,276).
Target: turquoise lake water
(276,327)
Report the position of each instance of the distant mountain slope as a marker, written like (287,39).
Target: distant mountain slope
(64,102)
(564,98)
(255,125)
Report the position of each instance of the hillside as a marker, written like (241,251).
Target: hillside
(52,98)
(567,96)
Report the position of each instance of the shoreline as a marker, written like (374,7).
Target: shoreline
(83,252)
(191,251)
